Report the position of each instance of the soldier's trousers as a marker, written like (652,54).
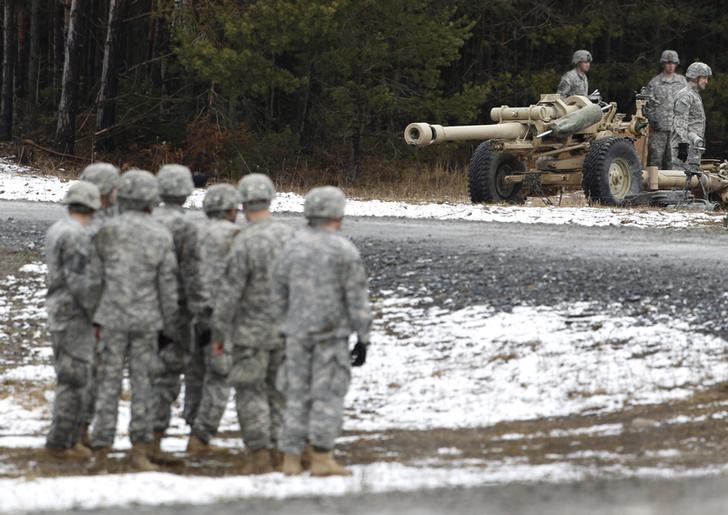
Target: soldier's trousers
(214,396)
(258,401)
(659,152)
(114,348)
(90,400)
(73,375)
(167,384)
(194,378)
(315,378)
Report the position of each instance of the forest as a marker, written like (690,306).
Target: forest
(312,89)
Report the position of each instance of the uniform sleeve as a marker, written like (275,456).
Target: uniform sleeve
(229,293)
(75,261)
(357,297)
(189,268)
(680,118)
(279,288)
(564,87)
(95,275)
(651,107)
(167,290)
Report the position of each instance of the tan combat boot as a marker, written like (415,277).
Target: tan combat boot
(306,457)
(258,462)
(292,464)
(85,437)
(76,453)
(197,446)
(100,462)
(324,464)
(158,456)
(139,458)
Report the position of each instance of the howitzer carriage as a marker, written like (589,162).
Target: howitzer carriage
(569,144)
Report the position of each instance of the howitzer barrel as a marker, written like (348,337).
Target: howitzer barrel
(423,134)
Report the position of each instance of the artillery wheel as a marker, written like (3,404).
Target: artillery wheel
(612,172)
(485,176)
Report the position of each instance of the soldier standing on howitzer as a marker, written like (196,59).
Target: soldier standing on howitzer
(663,87)
(70,303)
(106,178)
(175,185)
(243,315)
(206,386)
(138,300)
(320,293)
(688,127)
(575,82)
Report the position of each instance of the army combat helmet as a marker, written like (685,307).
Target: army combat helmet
(581,55)
(220,198)
(83,193)
(698,69)
(256,191)
(175,182)
(324,203)
(138,186)
(669,56)
(104,175)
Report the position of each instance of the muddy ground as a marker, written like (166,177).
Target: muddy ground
(645,273)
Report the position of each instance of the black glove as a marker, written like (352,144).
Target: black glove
(204,337)
(359,354)
(682,151)
(163,340)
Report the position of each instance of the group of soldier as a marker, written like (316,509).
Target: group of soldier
(674,110)
(256,307)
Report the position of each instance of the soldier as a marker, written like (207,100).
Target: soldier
(70,304)
(207,389)
(175,185)
(575,82)
(663,87)
(688,125)
(106,178)
(138,300)
(244,317)
(320,295)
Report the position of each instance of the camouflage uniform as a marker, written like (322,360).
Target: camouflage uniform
(191,303)
(243,314)
(204,415)
(573,82)
(688,120)
(320,294)
(70,303)
(139,299)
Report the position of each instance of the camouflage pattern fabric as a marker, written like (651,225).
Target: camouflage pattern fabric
(664,88)
(73,376)
(168,383)
(688,124)
(320,294)
(314,380)
(115,347)
(207,385)
(101,218)
(70,305)
(139,274)
(243,312)
(573,82)
(319,286)
(659,150)
(258,401)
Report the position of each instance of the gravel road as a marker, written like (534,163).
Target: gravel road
(627,271)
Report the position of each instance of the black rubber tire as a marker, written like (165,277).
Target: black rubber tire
(602,155)
(483,176)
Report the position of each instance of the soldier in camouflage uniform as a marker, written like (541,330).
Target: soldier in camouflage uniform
(575,81)
(175,185)
(688,125)
(70,304)
(106,178)
(320,295)
(208,389)
(663,87)
(138,300)
(243,316)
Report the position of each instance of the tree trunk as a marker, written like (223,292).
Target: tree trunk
(10,41)
(59,38)
(66,127)
(106,111)
(21,63)
(34,52)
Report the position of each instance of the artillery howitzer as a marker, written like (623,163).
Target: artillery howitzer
(568,144)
